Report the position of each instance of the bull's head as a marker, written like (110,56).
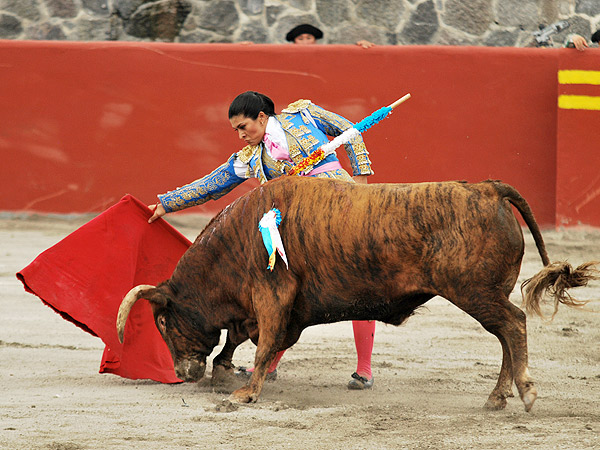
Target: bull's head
(189,345)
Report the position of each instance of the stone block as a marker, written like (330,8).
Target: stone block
(10,26)
(96,7)
(62,8)
(254,32)
(252,7)
(518,13)
(27,9)
(45,31)
(473,17)
(125,8)
(422,26)
(387,13)
(220,17)
(501,38)
(333,12)
(588,7)
(160,20)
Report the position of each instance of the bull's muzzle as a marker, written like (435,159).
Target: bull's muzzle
(190,370)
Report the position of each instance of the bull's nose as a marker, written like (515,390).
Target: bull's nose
(190,370)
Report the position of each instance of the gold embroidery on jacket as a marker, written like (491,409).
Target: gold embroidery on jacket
(285,121)
(294,147)
(333,124)
(274,165)
(308,142)
(298,105)
(246,153)
(301,130)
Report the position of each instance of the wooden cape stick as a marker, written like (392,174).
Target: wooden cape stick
(400,100)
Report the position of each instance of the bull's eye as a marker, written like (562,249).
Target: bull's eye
(162,324)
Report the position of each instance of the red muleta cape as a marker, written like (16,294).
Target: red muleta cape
(85,276)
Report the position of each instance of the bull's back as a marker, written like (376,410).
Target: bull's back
(348,241)
(408,218)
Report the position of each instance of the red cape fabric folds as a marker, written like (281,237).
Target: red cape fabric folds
(85,276)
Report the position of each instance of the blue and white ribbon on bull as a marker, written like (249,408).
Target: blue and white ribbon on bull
(271,237)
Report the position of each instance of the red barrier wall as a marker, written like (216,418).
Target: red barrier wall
(82,124)
(578,135)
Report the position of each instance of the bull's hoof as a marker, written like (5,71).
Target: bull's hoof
(495,403)
(222,375)
(529,397)
(243,395)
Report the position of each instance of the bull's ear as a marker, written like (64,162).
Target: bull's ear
(157,300)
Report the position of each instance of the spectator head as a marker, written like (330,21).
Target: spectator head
(596,36)
(304,34)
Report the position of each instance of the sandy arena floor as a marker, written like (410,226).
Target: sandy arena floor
(432,377)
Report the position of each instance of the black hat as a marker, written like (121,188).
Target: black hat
(596,36)
(301,29)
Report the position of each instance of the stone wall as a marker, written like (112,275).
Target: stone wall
(384,22)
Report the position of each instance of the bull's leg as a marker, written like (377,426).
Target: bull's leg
(265,353)
(222,364)
(224,358)
(262,360)
(272,306)
(516,336)
(503,389)
(508,323)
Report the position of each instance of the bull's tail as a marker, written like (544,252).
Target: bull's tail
(555,278)
(517,200)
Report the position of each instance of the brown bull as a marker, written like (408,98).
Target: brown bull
(355,252)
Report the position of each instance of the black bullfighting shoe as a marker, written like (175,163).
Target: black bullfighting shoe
(243,372)
(359,383)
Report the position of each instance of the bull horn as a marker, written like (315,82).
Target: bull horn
(126,305)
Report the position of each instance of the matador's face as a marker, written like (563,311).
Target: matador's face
(250,130)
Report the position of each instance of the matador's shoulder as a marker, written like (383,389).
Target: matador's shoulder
(246,153)
(297,106)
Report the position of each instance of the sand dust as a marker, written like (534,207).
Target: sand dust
(432,376)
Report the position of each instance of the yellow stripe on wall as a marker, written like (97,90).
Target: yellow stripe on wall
(579,77)
(579,102)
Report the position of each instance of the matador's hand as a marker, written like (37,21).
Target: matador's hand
(158,210)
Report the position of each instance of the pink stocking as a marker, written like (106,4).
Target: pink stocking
(364,336)
(273,365)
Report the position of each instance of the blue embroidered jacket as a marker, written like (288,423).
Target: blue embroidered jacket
(306,126)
